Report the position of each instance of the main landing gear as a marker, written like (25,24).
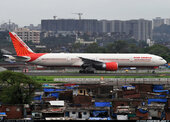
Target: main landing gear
(87,71)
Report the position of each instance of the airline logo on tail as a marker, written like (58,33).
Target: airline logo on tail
(22,49)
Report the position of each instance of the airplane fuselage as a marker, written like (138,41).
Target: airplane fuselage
(123,60)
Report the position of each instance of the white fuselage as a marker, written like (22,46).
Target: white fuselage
(123,60)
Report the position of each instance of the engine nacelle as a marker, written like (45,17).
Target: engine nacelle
(109,66)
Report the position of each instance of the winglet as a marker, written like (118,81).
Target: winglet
(20,47)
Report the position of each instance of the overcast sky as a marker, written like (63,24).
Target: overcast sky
(25,12)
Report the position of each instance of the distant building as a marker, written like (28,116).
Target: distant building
(2,29)
(28,35)
(138,29)
(32,27)
(167,21)
(158,21)
(82,41)
(105,26)
(85,25)
(8,26)
(150,42)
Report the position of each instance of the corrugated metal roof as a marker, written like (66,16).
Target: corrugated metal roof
(57,103)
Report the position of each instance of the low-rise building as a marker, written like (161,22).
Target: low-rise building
(28,35)
(12,111)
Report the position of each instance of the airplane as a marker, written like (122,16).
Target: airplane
(88,62)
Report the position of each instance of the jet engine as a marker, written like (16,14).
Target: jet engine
(109,66)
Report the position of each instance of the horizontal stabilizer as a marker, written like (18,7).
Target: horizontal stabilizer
(18,58)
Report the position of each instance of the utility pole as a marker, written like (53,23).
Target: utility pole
(9,25)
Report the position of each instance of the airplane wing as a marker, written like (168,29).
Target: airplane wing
(89,61)
(89,65)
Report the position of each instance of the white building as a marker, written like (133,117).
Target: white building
(167,21)
(28,35)
(149,42)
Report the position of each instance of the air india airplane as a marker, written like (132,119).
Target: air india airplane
(89,62)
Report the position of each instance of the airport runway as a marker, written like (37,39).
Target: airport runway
(96,74)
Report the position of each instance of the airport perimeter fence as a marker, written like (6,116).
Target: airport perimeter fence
(118,71)
(116,81)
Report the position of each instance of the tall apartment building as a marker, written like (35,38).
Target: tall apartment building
(138,29)
(105,26)
(28,35)
(85,25)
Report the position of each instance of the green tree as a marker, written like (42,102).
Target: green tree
(17,88)
(119,46)
(94,48)
(160,50)
(0,55)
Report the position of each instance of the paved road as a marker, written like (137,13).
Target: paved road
(96,74)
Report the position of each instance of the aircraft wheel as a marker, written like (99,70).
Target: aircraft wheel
(90,71)
(82,71)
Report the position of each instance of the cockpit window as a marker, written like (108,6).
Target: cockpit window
(161,59)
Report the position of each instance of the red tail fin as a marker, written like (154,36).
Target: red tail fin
(20,47)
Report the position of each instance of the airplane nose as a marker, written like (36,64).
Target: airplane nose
(164,62)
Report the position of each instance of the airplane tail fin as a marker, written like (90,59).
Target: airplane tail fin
(20,47)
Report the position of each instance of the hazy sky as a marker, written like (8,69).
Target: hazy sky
(25,12)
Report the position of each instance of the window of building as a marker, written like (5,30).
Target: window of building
(73,112)
(18,109)
(81,91)
(7,109)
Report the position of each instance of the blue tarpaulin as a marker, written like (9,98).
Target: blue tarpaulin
(55,94)
(156,100)
(2,113)
(167,91)
(96,113)
(128,87)
(103,104)
(69,87)
(59,89)
(37,97)
(48,90)
(51,90)
(143,111)
(158,87)
(160,95)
